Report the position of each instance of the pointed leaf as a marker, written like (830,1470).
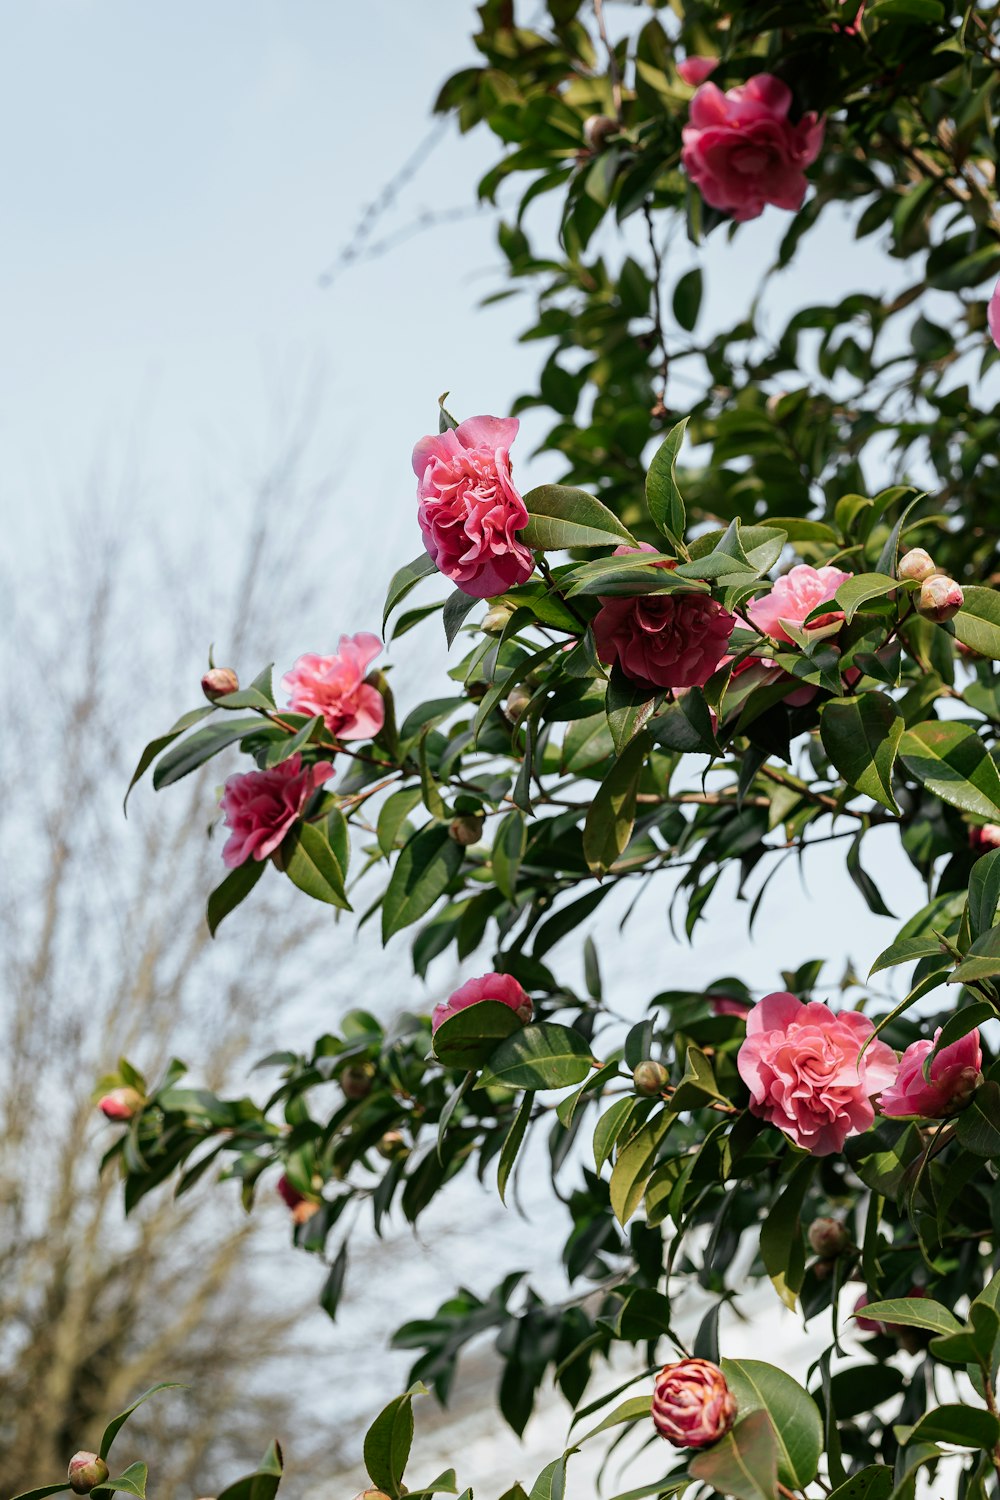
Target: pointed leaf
(562,517)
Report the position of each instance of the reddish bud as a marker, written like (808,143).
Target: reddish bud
(829,1238)
(940,598)
(693,1406)
(301,1208)
(218,682)
(86,1470)
(987,836)
(120,1104)
(392,1145)
(466,829)
(356,1080)
(916,565)
(597,129)
(650,1077)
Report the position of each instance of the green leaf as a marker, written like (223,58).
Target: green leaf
(131,1481)
(551,1482)
(874,1483)
(43,1490)
(610,1126)
(635,1409)
(666,506)
(263,1483)
(908,10)
(975,1343)
(152,750)
(509,844)
(977,624)
(795,1417)
(744,1463)
(982,961)
(781,1246)
(199,747)
(309,860)
(984,892)
(333,1286)
(425,868)
(861,736)
(952,762)
(235,888)
(546,1056)
(698,1085)
(967,1426)
(284,749)
(687,299)
(628,707)
(904,951)
(466,1039)
(387,1444)
(860,589)
(393,814)
(913,1312)
(562,517)
(978,1126)
(406,579)
(611,814)
(117,1423)
(512,1142)
(634,1165)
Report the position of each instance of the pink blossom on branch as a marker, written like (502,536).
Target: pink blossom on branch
(742,151)
(693,1406)
(694,70)
(794,597)
(334,687)
(260,807)
(662,640)
(806,1074)
(470,511)
(956,1073)
(993,315)
(502,988)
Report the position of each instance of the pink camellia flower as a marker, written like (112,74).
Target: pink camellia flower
(503,988)
(299,1206)
(261,806)
(695,70)
(794,597)
(956,1073)
(470,511)
(663,640)
(866,1325)
(742,151)
(120,1104)
(985,837)
(335,687)
(693,1406)
(993,315)
(806,1074)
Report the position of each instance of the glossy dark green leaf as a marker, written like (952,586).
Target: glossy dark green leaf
(405,579)
(308,858)
(199,747)
(666,505)
(634,1165)
(117,1423)
(978,1125)
(562,517)
(513,1141)
(387,1445)
(744,1464)
(913,1312)
(422,873)
(611,814)
(152,750)
(230,892)
(977,624)
(952,762)
(874,1483)
(545,1056)
(794,1415)
(466,1039)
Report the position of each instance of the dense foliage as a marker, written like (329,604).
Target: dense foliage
(750,620)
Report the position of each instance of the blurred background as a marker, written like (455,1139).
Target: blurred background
(241,264)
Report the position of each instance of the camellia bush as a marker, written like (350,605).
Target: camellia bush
(751,621)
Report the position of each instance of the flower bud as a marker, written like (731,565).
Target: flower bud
(392,1145)
(120,1104)
(693,1406)
(916,565)
(374,1494)
(356,1080)
(496,618)
(940,598)
(517,701)
(650,1077)
(466,829)
(829,1238)
(597,129)
(302,1208)
(985,837)
(86,1470)
(218,681)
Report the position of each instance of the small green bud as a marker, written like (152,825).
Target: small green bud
(466,829)
(85,1471)
(829,1238)
(650,1077)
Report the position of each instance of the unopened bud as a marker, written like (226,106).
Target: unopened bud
(829,1238)
(219,681)
(392,1145)
(965,1085)
(375,1494)
(496,618)
(86,1470)
(650,1077)
(517,701)
(915,565)
(985,837)
(597,129)
(466,829)
(356,1080)
(940,598)
(120,1104)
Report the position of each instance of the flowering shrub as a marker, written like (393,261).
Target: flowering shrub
(670,679)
